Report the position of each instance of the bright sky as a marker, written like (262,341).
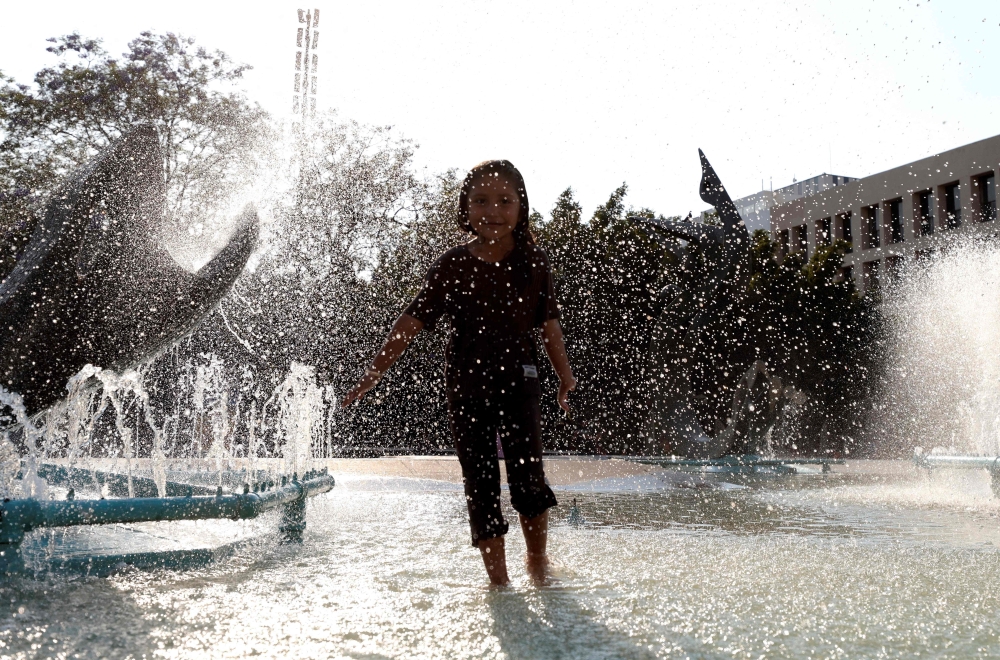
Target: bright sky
(591,94)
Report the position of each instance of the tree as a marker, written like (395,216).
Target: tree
(408,408)
(818,335)
(352,194)
(609,272)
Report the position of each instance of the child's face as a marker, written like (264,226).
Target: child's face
(494,207)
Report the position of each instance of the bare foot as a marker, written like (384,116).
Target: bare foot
(536,534)
(537,566)
(495,560)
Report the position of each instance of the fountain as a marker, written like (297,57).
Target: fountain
(24,515)
(946,367)
(94,286)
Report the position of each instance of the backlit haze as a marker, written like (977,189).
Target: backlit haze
(593,94)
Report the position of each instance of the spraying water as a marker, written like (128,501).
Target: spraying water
(944,374)
(111,421)
(299,405)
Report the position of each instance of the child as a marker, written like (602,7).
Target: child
(497,289)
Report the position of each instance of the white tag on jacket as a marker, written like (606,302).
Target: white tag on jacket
(530,371)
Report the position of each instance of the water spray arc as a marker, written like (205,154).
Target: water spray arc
(94,297)
(96,286)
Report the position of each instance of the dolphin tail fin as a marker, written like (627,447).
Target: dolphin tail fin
(713,192)
(215,278)
(737,237)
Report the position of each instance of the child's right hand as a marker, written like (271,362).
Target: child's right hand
(367,382)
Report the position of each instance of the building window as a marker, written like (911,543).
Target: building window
(843,229)
(845,274)
(800,239)
(823,227)
(896,221)
(987,196)
(783,242)
(925,212)
(872,227)
(952,206)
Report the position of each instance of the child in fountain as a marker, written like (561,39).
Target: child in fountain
(498,290)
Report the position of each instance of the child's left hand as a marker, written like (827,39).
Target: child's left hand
(564,388)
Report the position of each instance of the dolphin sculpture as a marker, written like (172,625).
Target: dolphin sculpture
(95,286)
(705,378)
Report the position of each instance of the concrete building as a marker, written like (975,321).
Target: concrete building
(905,212)
(755,209)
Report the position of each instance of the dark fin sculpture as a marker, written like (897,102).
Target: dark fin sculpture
(692,400)
(736,240)
(95,286)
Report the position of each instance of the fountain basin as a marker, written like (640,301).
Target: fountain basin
(20,516)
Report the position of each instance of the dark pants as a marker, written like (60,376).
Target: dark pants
(475,424)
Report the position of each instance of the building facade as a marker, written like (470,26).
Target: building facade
(755,209)
(905,212)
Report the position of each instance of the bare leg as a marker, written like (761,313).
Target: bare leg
(495,560)
(536,536)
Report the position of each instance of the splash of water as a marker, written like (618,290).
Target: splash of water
(944,376)
(300,408)
(212,417)
(30,484)
(110,421)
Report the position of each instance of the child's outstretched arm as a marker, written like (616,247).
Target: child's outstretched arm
(403,331)
(555,347)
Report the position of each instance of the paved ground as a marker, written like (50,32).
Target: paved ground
(561,471)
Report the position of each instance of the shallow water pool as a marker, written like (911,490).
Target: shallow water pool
(785,567)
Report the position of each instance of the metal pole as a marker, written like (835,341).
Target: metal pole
(306,64)
(733,460)
(961,462)
(989,463)
(305,69)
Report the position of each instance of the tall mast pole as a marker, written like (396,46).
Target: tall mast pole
(306,64)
